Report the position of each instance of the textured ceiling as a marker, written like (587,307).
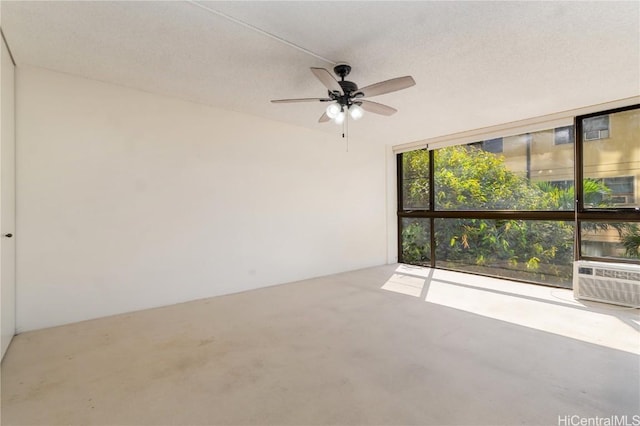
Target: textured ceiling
(475,63)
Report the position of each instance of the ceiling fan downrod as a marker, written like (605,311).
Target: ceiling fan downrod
(342,70)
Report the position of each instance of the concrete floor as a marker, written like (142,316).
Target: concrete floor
(388,345)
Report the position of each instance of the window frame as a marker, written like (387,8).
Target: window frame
(432,214)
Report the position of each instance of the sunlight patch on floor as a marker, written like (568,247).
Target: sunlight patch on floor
(542,308)
(405,284)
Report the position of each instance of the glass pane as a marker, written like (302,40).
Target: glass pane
(416,241)
(530,250)
(612,160)
(493,145)
(415,180)
(619,240)
(564,135)
(525,172)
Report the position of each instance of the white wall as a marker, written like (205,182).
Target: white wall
(7,201)
(129,200)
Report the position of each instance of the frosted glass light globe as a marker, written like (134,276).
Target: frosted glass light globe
(356,112)
(333,110)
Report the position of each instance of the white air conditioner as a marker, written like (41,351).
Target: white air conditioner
(593,135)
(616,283)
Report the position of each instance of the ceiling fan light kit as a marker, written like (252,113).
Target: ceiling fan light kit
(356,112)
(347,98)
(333,110)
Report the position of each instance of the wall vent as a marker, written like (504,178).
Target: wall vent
(616,283)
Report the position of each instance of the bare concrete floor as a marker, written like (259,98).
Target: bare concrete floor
(388,345)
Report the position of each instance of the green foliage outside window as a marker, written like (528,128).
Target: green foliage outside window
(468,178)
(631,240)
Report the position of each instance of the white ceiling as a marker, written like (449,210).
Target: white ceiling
(475,63)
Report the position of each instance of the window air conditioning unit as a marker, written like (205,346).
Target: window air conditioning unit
(621,199)
(616,283)
(593,135)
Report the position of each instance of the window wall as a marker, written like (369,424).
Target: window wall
(609,203)
(507,206)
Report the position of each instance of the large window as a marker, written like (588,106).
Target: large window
(470,177)
(415,181)
(507,206)
(609,207)
(416,240)
(611,167)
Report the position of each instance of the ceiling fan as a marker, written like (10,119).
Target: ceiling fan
(345,96)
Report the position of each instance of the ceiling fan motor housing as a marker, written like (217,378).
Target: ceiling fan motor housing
(346,98)
(348,86)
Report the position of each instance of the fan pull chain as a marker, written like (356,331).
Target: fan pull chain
(347,126)
(345,130)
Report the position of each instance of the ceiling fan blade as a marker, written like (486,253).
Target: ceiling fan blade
(286,101)
(324,118)
(387,86)
(376,108)
(327,79)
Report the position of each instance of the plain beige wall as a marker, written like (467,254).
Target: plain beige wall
(129,200)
